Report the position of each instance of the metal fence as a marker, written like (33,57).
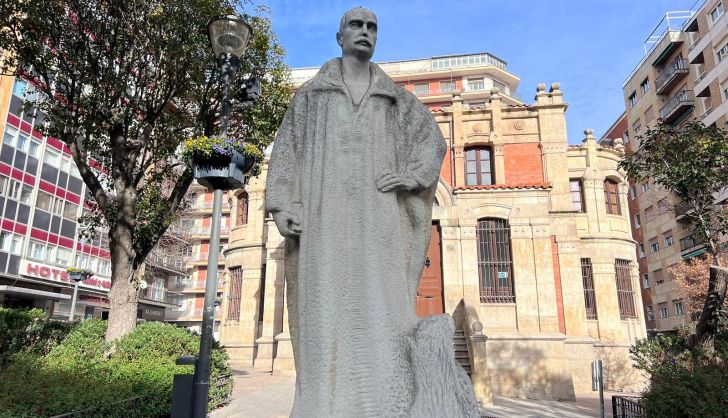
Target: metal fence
(627,407)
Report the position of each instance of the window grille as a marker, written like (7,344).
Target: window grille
(587,278)
(495,265)
(625,293)
(236,284)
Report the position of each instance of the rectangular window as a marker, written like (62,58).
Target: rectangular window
(649,115)
(11,243)
(587,279)
(650,313)
(478,167)
(625,294)
(44,201)
(679,309)
(645,281)
(650,213)
(641,248)
(716,13)
(495,265)
(37,250)
(657,274)
(722,53)
(70,210)
(476,84)
(236,284)
(422,88)
(668,241)
(63,256)
(577,195)
(654,245)
(625,137)
(447,86)
(9,135)
(611,197)
(645,186)
(632,100)
(637,221)
(19,87)
(104,268)
(663,310)
(52,157)
(645,85)
(633,191)
(33,147)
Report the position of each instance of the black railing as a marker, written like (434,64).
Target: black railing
(677,67)
(627,407)
(160,295)
(682,97)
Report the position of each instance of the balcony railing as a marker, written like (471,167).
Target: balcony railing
(205,230)
(678,103)
(175,263)
(690,244)
(160,295)
(671,74)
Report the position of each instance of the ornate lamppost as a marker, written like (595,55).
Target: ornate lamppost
(229,36)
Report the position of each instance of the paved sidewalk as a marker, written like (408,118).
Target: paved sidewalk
(259,395)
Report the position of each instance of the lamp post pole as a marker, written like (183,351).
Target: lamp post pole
(73,301)
(228,64)
(229,36)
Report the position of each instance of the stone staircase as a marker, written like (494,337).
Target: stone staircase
(461,351)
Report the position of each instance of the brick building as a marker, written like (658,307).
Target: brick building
(683,76)
(531,249)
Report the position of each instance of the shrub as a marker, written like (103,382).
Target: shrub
(28,329)
(684,382)
(77,375)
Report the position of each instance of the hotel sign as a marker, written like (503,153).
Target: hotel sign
(58,274)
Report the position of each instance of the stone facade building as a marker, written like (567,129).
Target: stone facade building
(531,249)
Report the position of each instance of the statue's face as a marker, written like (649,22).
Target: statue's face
(358,33)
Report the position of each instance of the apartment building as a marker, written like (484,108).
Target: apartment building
(41,197)
(683,76)
(531,248)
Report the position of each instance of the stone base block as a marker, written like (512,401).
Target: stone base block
(241,353)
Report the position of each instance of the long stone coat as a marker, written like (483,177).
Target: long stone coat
(352,277)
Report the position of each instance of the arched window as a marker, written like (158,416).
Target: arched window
(611,197)
(242,209)
(479,166)
(495,264)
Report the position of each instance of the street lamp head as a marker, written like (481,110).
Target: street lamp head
(229,35)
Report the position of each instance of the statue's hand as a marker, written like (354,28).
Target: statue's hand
(289,225)
(390,181)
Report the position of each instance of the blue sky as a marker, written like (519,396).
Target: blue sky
(588,46)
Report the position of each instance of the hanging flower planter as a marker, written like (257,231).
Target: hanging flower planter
(221,163)
(78,275)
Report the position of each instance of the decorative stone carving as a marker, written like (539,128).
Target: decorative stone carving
(357,158)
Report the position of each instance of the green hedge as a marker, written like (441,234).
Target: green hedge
(684,382)
(28,330)
(77,374)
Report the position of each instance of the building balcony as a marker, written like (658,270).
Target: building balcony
(669,77)
(175,264)
(204,231)
(678,104)
(691,246)
(160,297)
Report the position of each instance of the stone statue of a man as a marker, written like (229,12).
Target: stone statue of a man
(350,185)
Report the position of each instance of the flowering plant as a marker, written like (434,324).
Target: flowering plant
(217,151)
(82,272)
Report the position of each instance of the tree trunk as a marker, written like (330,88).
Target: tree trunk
(707,325)
(124,296)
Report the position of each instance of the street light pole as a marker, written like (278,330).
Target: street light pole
(73,301)
(202,375)
(229,37)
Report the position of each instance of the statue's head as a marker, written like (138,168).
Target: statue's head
(358,33)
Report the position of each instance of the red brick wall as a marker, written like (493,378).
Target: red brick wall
(446,169)
(522,164)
